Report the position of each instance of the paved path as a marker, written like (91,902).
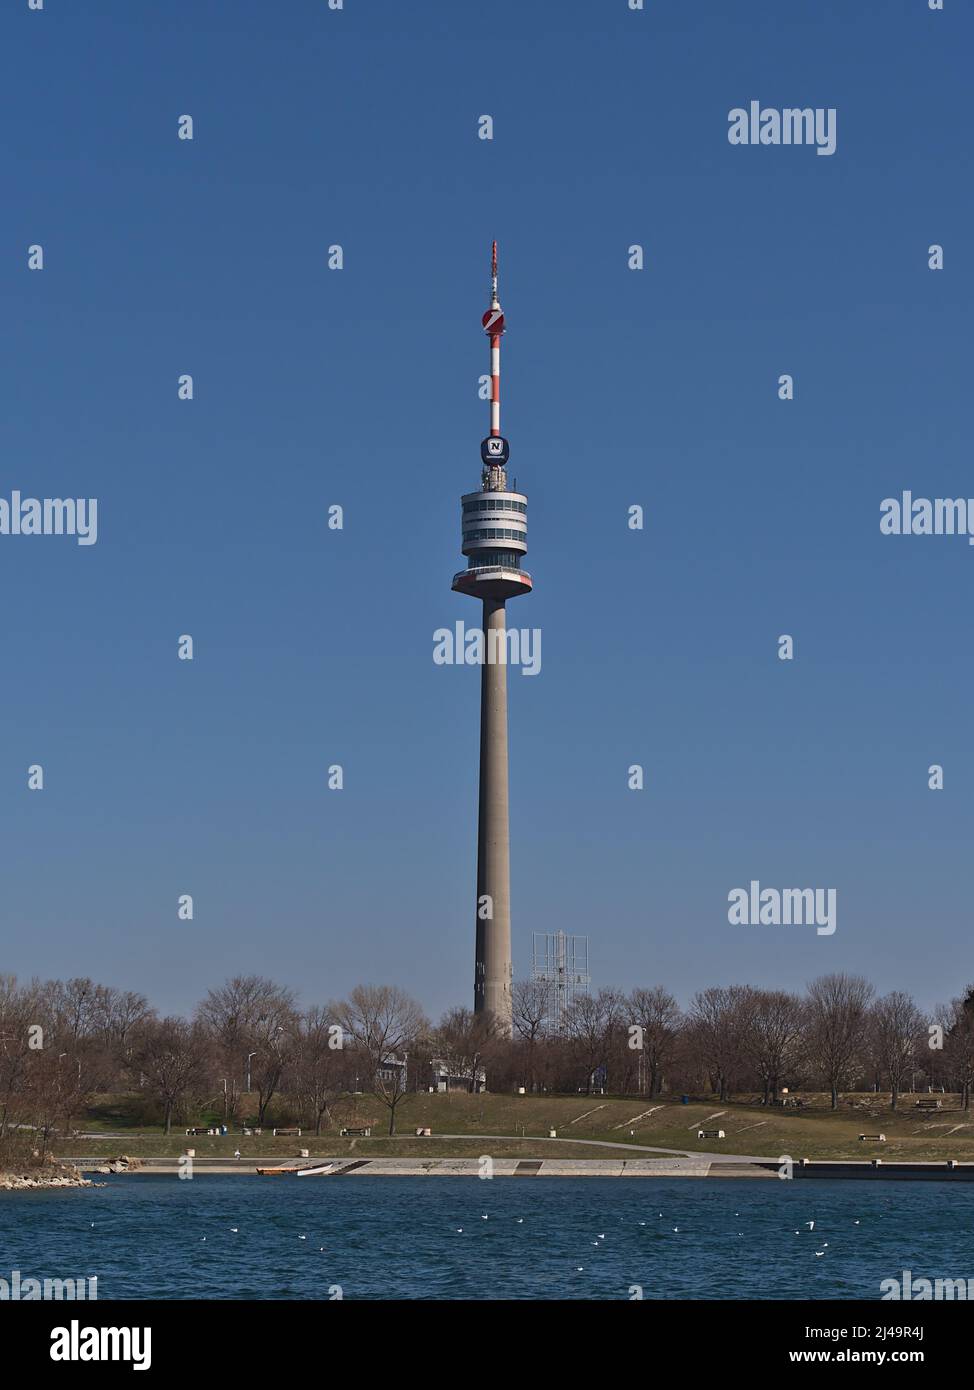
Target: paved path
(721,1157)
(606,1144)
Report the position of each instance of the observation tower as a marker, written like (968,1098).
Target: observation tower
(494,539)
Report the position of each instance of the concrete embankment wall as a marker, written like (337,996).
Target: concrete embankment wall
(676,1167)
(886,1172)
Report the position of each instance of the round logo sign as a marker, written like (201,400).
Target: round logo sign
(495,449)
(493,321)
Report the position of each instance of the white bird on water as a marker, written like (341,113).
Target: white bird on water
(302,1237)
(235,1229)
(520,1220)
(810,1225)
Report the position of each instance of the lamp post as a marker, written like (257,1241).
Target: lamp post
(249,1055)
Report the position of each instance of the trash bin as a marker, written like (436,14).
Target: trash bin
(684,1100)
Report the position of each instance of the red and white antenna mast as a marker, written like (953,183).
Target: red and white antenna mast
(493,322)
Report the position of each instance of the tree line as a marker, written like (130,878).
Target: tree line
(249,1053)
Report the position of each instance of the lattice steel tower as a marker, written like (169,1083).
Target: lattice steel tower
(560,963)
(495,536)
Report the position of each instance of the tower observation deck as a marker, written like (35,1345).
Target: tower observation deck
(494,538)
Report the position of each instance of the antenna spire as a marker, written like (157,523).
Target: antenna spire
(493,322)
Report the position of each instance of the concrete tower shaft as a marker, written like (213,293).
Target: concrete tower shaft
(493,966)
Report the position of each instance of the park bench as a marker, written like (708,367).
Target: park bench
(927,1105)
(290,1131)
(710,1134)
(363,1133)
(872,1138)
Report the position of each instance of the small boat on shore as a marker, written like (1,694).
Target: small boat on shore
(278,1171)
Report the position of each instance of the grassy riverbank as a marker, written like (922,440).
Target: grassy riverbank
(518,1126)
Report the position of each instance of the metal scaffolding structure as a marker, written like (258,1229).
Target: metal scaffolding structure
(560,962)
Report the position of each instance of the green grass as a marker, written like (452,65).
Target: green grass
(750,1129)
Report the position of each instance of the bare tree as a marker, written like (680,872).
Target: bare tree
(529,1008)
(466,1039)
(384,1022)
(52,1091)
(252,1022)
(589,1024)
(44,1095)
(958,1025)
(19,1011)
(171,1054)
(74,1005)
(772,1036)
(838,1012)
(529,1015)
(656,1013)
(718,1021)
(319,1065)
(116,1018)
(896,1027)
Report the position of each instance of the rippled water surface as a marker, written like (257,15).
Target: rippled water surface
(403,1238)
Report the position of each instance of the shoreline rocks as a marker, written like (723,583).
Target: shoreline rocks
(118,1165)
(41,1178)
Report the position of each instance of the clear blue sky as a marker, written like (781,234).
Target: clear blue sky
(359,387)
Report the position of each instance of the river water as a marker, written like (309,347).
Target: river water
(426,1238)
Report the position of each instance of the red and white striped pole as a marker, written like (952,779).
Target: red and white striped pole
(493,322)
